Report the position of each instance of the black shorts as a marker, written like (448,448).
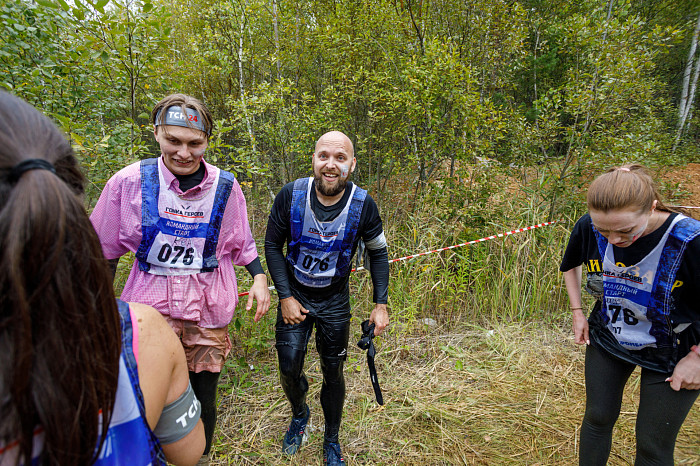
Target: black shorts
(332,334)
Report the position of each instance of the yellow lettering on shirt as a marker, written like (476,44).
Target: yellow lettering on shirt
(677,284)
(593,265)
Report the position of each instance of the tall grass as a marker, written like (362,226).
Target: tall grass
(514,278)
(498,394)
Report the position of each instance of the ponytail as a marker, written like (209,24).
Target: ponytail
(59,325)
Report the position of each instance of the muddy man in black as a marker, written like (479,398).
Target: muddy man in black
(321,219)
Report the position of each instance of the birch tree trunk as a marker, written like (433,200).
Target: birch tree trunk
(692,67)
(241,83)
(275,20)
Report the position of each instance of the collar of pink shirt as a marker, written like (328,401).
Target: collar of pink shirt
(170,179)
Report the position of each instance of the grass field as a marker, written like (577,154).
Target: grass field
(495,394)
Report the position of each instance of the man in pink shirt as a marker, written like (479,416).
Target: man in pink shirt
(186,222)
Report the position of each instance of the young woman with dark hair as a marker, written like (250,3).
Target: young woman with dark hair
(643,268)
(84,378)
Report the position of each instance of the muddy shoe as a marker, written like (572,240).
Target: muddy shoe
(296,434)
(332,455)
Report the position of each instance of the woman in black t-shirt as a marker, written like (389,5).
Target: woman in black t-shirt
(642,267)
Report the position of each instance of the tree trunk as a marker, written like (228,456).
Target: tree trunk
(241,83)
(419,33)
(572,152)
(692,67)
(277,38)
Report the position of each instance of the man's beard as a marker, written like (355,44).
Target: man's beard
(330,191)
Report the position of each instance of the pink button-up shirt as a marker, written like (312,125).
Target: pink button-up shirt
(208,298)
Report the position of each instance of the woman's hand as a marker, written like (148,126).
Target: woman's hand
(687,373)
(580,327)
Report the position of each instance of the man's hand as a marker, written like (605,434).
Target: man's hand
(380,318)
(580,326)
(292,311)
(687,373)
(261,294)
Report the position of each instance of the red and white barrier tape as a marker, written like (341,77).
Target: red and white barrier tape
(480,240)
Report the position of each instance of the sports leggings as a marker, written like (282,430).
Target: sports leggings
(661,411)
(204,386)
(331,343)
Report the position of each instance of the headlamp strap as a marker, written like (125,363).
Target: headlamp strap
(368,334)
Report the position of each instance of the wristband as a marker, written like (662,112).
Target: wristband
(695,349)
(574,308)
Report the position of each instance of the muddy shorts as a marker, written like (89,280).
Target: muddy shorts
(206,349)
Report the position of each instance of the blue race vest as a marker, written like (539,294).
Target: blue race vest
(129,439)
(184,232)
(637,301)
(319,251)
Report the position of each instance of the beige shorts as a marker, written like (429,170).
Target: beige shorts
(206,349)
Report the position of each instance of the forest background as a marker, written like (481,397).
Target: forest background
(469,118)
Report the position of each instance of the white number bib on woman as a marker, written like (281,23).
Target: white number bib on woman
(627,295)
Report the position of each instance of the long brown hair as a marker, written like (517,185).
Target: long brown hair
(625,187)
(59,325)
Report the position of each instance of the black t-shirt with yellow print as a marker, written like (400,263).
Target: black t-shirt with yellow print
(582,249)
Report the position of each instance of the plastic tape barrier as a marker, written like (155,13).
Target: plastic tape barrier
(468,243)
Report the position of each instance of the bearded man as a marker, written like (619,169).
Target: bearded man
(321,219)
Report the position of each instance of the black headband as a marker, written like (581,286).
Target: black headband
(30,164)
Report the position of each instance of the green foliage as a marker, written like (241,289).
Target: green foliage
(415,85)
(40,64)
(88,66)
(608,107)
(237,160)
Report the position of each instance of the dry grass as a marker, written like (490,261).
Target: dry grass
(506,394)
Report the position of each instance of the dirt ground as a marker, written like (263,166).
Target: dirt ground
(687,180)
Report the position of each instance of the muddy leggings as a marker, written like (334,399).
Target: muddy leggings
(660,416)
(331,343)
